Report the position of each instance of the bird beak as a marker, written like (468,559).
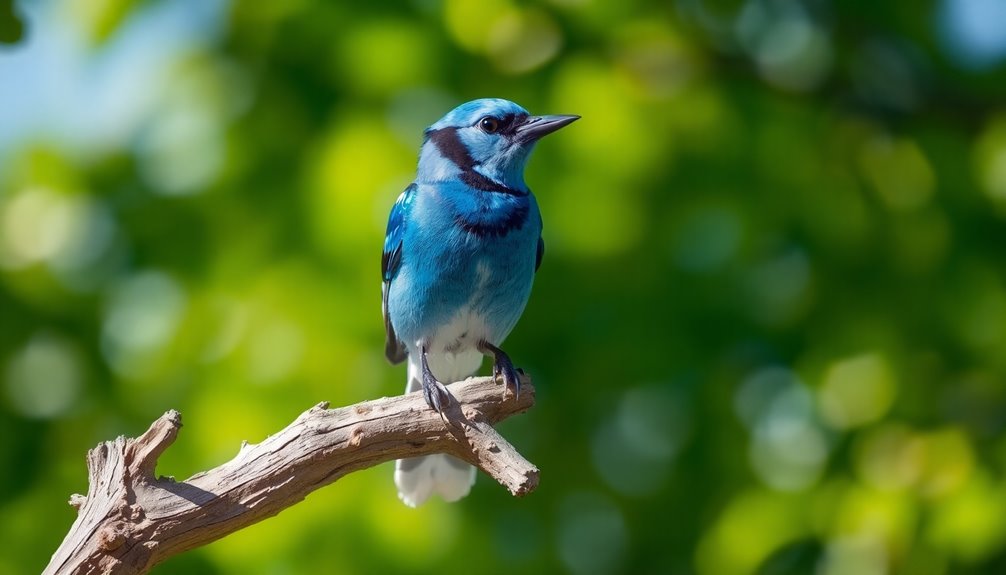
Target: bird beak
(537,126)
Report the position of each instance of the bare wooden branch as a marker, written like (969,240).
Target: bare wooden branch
(131,520)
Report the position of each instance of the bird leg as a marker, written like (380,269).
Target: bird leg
(502,366)
(434,392)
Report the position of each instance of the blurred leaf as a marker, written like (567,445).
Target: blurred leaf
(11,26)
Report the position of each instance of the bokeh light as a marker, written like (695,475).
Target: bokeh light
(633,451)
(971,31)
(45,378)
(767,334)
(593,536)
(857,391)
(141,317)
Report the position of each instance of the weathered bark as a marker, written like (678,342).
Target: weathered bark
(132,520)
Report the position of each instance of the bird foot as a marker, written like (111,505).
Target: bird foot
(503,368)
(434,392)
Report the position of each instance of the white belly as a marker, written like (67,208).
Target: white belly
(452,351)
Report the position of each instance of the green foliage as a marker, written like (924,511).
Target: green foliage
(768,335)
(11,27)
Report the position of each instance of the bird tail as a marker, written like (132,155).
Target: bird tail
(419,477)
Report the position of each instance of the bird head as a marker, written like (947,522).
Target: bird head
(488,139)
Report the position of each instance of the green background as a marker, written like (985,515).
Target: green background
(768,335)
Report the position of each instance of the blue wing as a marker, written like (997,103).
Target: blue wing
(391,262)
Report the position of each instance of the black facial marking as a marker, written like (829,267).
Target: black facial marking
(450,145)
(510,123)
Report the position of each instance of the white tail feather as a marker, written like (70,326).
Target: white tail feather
(419,477)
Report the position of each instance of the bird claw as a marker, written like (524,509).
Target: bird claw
(434,392)
(504,370)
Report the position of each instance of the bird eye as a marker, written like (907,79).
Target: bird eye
(489,124)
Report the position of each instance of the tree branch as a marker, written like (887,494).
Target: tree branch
(131,520)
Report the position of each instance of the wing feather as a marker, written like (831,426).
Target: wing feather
(391,262)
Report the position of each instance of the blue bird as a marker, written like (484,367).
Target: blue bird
(460,254)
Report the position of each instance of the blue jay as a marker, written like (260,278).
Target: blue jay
(461,250)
